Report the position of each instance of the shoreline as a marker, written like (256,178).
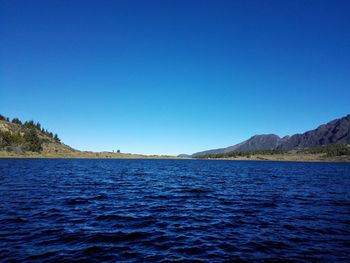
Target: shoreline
(82,156)
(311,158)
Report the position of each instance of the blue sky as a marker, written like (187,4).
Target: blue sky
(170,77)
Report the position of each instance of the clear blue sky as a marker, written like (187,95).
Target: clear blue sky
(170,77)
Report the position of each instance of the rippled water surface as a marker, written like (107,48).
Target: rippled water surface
(173,210)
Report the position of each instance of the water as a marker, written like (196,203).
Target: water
(173,210)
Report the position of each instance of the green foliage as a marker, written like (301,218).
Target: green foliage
(29,141)
(38,126)
(16,121)
(331,150)
(56,138)
(32,141)
(10,140)
(26,137)
(247,154)
(29,124)
(5,138)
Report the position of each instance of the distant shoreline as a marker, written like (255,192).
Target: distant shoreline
(30,140)
(83,155)
(103,156)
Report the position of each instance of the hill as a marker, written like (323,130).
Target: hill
(30,140)
(29,137)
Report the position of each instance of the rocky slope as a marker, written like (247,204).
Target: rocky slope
(336,131)
(257,142)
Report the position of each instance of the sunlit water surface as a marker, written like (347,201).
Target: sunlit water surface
(173,210)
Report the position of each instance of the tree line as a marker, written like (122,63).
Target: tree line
(235,154)
(330,150)
(25,137)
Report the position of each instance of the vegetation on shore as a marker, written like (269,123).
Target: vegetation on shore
(332,152)
(30,140)
(24,137)
(235,154)
(82,155)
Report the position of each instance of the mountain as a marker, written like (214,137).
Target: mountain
(336,131)
(257,142)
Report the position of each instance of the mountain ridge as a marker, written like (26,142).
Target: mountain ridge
(333,132)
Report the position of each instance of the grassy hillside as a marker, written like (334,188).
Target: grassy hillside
(30,140)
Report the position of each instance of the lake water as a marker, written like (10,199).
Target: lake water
(173,210)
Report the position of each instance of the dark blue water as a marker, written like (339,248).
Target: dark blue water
(173,210)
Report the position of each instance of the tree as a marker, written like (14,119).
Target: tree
(32,141)
(5,138)
(118,151)
(16,121)
(38,126)
(11,139)
(29,124)
(56,138)
(2,117)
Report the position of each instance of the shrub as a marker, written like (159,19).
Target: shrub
(32,141)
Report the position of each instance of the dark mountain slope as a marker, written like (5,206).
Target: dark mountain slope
(257,142)
(336,131)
